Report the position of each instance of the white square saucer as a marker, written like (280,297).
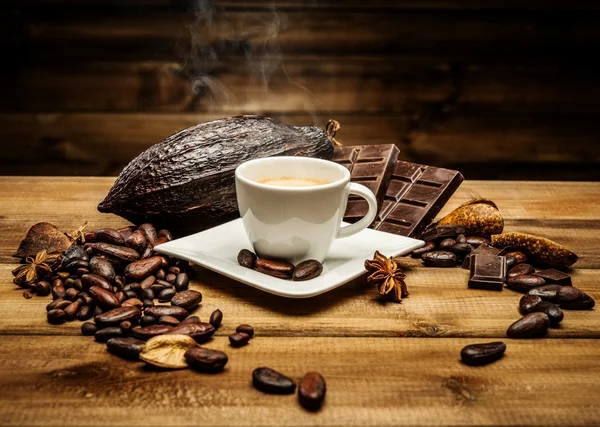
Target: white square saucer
(218,247)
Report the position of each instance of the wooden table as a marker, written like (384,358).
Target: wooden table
(385,363)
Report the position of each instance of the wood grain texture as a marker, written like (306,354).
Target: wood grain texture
(370,381)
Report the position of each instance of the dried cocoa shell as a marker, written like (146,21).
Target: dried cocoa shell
(167,351)
(541,251)
(42,236)
(479,217)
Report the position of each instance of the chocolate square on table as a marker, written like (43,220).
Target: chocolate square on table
(554,277)
(371,166)
(483,249)
(487,272)
(416,194)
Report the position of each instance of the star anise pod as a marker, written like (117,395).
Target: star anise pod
(388,277)
(78,236)
(28,274)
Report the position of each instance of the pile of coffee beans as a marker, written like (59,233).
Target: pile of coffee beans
(305,270)
(311,389)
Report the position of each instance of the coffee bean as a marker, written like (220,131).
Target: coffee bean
(174,270)
(429,246)
(268,380)
(166,295)
(528,302)
(148,321)
(103,335)
(42,288)
(116,316)
(524,283)
(88,328)
(247,329)
(553,311)
(546,292)
(160,274)
(104,298)
(148,294)
(280,269)
(439,259)
(205,360)
(85,313)
(530,325)
(307,270)
(148,303)
(476,241)
(71,310)
(149,232)
(167,310)
(102,267)
(199,331)
(71,294)
(216,318)
(520,270)
(133,302)
(482,354)
(446,244)
(170,277)
(147,332)
(148,282)
(311,391)
(246,258)
(109,235)
(182,282)
(191,319)
(90,280)
(168,320)
(571,298)
(128,348)
(239,339)
(137,241)
(56,316)
(141,269)
(189,299)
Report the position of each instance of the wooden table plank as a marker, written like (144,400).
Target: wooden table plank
(370,381)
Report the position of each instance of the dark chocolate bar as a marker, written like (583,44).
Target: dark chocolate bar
(443,232)
(487,272)
(416,194)
(371,166)
(553,276)
(483,249)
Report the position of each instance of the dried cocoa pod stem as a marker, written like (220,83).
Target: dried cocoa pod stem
(541,250)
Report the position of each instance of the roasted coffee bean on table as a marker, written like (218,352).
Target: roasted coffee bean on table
(531,325)
(482,354)
(311,391)
(270,381)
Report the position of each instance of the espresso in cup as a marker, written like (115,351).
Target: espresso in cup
(286,181)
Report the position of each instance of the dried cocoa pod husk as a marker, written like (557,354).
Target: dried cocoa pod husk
(479,217)
(42,236)
(540,250)
(167,351)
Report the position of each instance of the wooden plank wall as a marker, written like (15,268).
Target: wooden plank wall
(498,89)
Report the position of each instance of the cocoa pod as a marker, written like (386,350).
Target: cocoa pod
(109,235)
(205,359)
(188,299)
(147,332)
(116,316)
(127,348)
(280,269)
(200,332)
(167,310)
(104,298)
(141,269)
(541,250)
(121,252)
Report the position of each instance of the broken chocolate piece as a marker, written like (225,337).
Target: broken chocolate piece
(487,272)
(483,249)
(371,166)
(443,232)
(553,276)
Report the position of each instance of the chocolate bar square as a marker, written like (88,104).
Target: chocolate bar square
(553,276)
(487,272)
(483,249)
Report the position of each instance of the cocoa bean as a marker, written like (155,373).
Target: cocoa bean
(128,348)
(137,241)
(147,332)
(104,298)
(280,269)
(159,241)
(553,311)
(239,339)
(188,299)
(439,259)
(120,252)
(71,310)
(429,246)
(62,304)
(482,354)
(166,295)
(160,274)
(103,268)
(148,252)
(182,282)
(166,234)
(52,305)
(268,380)
(90,237)
(133,302)
(85,313)
(103,335)
(175,270)
(143,268)
(216,318)
(530,325)
(246,258)
(545,292)
(71,294)
(90,280)
(121,297)
(476,241)
(147,282)
(157,288)
(515,257)
(527,303)
(125,232)
(167,310)
(311,391)
(58,292)
(116,316)
(168,320)
(109,235)
(149,232)
(524,283)
(42,288)
(147,294)
(164,262)
(148,303)
(520,270)
(205,360)
(307,270)
(148,321)
(461,238)
(56,316)
(461,250)
(199,331)
(129,294)
(447,244)
(191,319)
(247,329)
(126,327)
(170,277)
(571,298)
(88,328)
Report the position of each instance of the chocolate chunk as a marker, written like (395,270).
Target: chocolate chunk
(483,249)
(487,272)
(371,166)
(415,195)
(443,232)
(554,277)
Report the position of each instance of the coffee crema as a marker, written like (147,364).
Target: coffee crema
(285,181)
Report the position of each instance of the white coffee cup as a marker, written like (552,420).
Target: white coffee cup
(297,223)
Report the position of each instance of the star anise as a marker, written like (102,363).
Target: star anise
(78,236)
(388,277)
(28,274)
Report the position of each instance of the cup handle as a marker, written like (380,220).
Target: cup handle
(364,222)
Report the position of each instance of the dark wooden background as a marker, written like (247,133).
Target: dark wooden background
(498,89)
